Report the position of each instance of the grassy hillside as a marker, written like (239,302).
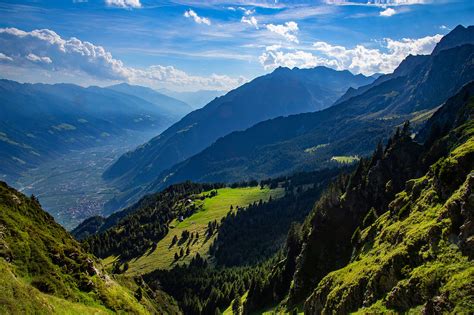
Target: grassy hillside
(210,210)
(410,259)
(44,270)
(382,240)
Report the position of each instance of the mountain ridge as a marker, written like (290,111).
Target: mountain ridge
(375,110)
(280,93)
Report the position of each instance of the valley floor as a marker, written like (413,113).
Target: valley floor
(71,187)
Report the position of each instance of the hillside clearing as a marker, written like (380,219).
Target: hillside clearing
(215,208)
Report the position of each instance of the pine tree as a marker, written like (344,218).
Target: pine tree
(237,305)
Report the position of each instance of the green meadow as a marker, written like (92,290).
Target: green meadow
(214,208)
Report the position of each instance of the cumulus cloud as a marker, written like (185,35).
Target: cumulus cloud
(46,50)
(250,20)
(273,58)
(359,59)
(56,53)
(199,20)
(127,4)
(288,30)
(388,12)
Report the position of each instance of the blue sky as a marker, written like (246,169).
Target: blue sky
(190,45)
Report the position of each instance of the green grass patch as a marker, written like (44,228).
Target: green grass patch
(214,208)
(345,159)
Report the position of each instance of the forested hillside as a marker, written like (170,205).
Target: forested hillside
(43,270)
(384,240)
(350,128)
(280,93)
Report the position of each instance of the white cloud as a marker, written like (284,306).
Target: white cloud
(250,20)
(127,4)
(388,12)
(35,58)
(359,59)
(444,28)
(4,57)
(247,11)
(380,3)
(288,30)
(199,20)
(46,51)
(273,58)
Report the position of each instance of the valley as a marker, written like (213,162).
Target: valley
(70,187)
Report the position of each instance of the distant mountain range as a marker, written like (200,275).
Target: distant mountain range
(281,93)
(39,121)
(169,105)
(349,128)
(196,99)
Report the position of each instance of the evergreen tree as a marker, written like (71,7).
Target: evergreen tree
(237,305)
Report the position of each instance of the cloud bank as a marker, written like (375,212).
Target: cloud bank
(359,59)
(46,50)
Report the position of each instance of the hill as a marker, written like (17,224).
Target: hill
(281,93)
(169,106)
(349,128)
(376,240)
(41,121)
(44,270)
(384,241)
(168,237)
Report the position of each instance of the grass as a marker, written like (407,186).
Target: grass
(407,253)
(43,270)
(344,159)
(214,208)
(228,310)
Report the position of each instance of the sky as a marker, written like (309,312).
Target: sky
(188,45)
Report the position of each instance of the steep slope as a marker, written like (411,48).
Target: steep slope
(352,127)
(39,121)
(169,106)
(283,92)
(384,240)
(43,270)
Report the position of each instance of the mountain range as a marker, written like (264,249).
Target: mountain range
(281,93)
(376,240)
(195,99)
(308,141)
(41,121)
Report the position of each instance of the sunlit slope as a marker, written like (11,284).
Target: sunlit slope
(213,209)
(43,270)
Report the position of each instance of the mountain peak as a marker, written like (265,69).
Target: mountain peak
(460,35)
